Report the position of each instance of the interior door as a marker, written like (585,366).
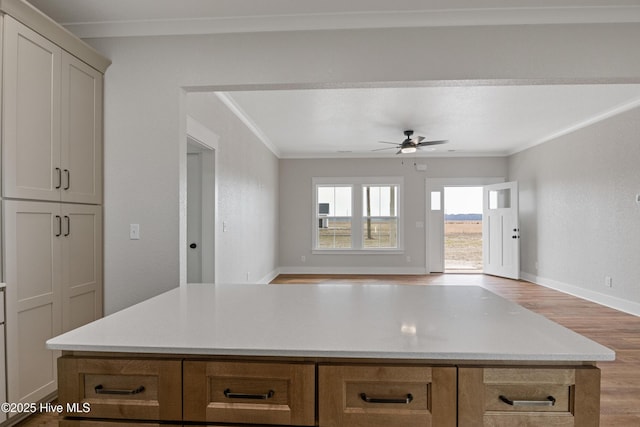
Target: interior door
(501,230)
(194,218)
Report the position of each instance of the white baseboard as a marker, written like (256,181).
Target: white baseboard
(597,297)
(269,277)
(353,270)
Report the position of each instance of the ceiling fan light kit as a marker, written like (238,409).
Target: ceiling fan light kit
(408,150)
(410,144)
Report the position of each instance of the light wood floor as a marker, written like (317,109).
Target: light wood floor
(620,398)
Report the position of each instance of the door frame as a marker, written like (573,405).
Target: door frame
(197,133)
(434,220)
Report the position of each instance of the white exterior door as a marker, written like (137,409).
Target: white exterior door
(501,230)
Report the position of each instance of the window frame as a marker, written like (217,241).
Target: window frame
(357,185)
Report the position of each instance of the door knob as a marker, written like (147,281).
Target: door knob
(193,246)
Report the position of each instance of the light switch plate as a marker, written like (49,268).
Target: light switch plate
(134,231)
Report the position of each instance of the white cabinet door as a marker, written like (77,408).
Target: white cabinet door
(32,249)
(52,114)
(81,265)
(81,141)
(31,114)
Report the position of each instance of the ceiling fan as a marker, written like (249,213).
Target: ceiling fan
(410,144)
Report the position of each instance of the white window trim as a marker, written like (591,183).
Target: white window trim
(357,183)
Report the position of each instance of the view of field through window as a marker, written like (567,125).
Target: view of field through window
(463,229)
(379,218)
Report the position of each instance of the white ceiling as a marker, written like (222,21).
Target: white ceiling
(482,120)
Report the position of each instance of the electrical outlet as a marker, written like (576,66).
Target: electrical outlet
(608,282)
(303,258)
(408,258)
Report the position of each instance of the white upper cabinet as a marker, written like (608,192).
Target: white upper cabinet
(81,130)
(31,117)
(52,131)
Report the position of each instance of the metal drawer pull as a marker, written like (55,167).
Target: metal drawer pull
(403,400)
(229,395)
(101,390)
(549,402)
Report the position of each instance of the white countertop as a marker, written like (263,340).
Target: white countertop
(361,321)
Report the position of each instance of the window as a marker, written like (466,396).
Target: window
(435,201)
(380,216)
(357,214)
(333,217)
(500,199)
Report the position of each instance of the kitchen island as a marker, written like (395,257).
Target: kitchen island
(329,355)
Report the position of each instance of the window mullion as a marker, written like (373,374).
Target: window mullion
(356,225)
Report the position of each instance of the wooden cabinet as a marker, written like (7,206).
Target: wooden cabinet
(53,260)
(91,423)
(52,121)
(206,391)
(403,396)
(247,392)
(531,397)
(136,389)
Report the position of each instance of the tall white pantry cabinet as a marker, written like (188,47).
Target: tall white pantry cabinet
(52,86)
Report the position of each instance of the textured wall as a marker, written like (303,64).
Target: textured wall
(579,220)
(296,209)
(144,105)
(247,198)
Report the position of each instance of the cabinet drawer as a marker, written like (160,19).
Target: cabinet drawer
(246,392)
(532,397)
(136,389)
(386,396)
(90,423)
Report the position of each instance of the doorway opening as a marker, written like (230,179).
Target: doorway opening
(200,206)
(463,229)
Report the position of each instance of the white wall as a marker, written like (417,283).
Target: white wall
(296,209)
(143,101)
(247,197)
(578,216)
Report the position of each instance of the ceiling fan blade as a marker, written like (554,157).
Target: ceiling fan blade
(386,142)
(426,143)
(386,148)
(417,140)
(399,152)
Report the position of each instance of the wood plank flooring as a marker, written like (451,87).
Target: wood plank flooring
(620,398)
